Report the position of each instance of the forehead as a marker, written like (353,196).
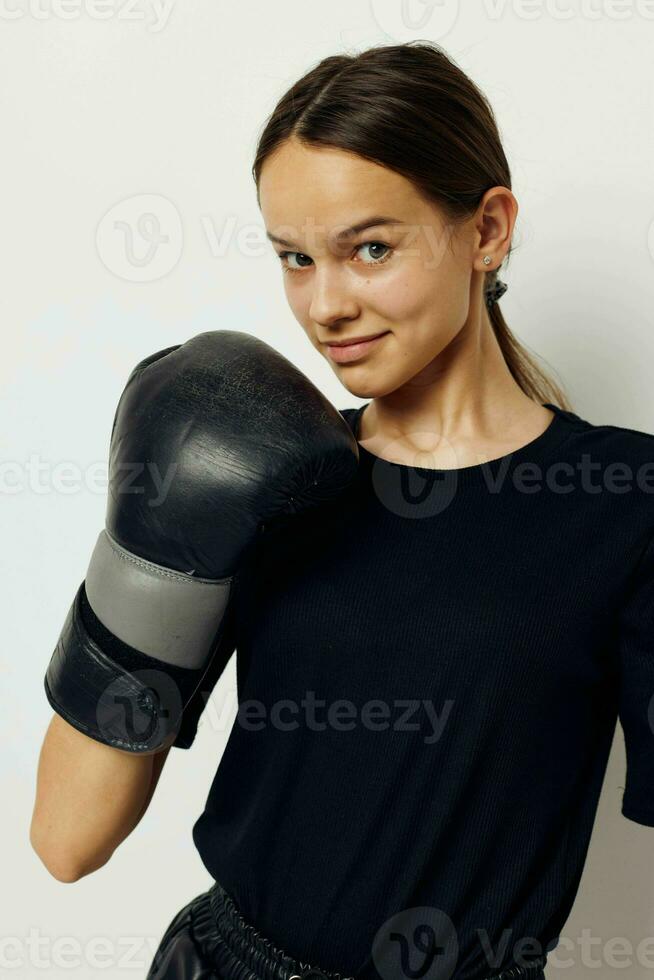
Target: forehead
(330,186)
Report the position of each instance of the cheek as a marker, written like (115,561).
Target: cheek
(298,299)
(426,309)
(406,296)
(435,298)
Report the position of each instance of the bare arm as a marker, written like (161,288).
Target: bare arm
(89,798)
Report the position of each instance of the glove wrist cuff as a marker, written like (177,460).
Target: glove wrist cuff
(137,710)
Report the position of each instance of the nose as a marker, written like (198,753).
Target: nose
(331,299)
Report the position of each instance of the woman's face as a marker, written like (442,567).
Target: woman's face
(406,276)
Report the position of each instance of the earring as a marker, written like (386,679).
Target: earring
(487,260)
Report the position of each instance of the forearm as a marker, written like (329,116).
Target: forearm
(89,797)
(158,760)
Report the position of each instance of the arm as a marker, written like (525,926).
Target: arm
(211,441)
(89,798)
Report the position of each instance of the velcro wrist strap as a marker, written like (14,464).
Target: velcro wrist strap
(138,710)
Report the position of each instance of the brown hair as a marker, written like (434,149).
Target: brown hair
(410,108)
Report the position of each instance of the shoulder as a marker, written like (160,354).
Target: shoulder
(610,443)
(612,468)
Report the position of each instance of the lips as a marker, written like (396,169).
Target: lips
(343,353)
(354,340)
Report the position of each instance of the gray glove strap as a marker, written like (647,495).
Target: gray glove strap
(158,611)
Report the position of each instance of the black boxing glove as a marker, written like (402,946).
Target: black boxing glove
(211,440)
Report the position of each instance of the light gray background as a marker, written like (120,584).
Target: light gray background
(112,112)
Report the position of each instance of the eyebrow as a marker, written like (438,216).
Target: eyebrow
(347,232)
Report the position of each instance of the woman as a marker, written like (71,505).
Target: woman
(440,658)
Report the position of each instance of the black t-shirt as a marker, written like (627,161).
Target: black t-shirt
(432,668)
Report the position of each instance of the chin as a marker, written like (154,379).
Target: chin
(367,388)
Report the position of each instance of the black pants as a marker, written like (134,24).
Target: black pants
(180,954)
(209,939)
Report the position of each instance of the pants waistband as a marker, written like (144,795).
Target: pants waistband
(240,952)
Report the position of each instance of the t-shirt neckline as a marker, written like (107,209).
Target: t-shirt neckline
(535,451)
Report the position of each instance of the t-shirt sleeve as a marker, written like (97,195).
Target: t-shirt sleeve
(636,694)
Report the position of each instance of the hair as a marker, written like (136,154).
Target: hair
(410,108)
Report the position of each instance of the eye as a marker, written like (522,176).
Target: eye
(378,259)
(286,257)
